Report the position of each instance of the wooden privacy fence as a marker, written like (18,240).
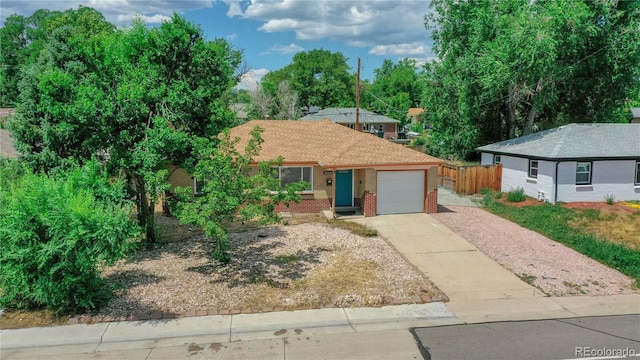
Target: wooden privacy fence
(470,179)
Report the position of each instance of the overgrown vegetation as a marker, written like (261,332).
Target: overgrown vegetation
(231,191)
(516,195)
(55,232)
(557,223)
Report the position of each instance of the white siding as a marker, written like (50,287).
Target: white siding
(486,159)
(515,174)
(611,177)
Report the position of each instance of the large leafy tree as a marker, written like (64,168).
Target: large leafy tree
(319,77)
(23,38)
(507,68)
(395,88)
(134,96)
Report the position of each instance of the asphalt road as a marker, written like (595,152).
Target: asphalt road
(606,337)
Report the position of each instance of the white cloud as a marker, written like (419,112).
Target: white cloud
(155,19)
(357,23)
(412,49)
(231,36)
(116,11)
(234,8)
(283,49)
(251,79)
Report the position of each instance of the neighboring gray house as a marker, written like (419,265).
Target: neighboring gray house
(575,162)
(371,122)
(635,115)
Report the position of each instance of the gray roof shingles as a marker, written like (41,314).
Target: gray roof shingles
(348,116)
(574,141)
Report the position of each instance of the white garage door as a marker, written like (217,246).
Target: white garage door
(400,192)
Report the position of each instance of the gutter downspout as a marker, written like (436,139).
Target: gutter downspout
(555,193)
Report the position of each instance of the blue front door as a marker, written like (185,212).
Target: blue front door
(344,187)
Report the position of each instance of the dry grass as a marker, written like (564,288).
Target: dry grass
(620,228)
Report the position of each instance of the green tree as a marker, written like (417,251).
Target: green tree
(395,89)
(319,77)
(23,38)
(56,230)
(134,96)
(231,190)
(507,68)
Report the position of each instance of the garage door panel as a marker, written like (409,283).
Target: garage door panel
(400,192)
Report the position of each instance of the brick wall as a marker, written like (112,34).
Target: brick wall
(305,206)
(369,204)
(431,202)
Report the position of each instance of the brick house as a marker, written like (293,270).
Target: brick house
(357,169)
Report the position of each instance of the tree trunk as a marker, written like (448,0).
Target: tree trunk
(531,116)
(145,207)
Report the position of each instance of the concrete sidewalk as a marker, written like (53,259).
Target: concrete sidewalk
(457,267)
(267,335)
(359,333)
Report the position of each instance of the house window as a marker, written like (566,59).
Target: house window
(198,185)
(583,173)
(637,173)
(351,126)
(497,159)
(533,169)
(294,174)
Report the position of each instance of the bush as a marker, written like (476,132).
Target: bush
(610,199)
(516,195)
(55,232)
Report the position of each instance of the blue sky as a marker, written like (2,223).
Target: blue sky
(270,32)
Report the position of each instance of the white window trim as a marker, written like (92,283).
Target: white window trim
(537,167)
(590,172)
(636,180)
(307,191)
(497,159)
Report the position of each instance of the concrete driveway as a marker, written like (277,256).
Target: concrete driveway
(457,267)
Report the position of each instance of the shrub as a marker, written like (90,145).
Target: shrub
(610,198)
(516,195)
(55,232)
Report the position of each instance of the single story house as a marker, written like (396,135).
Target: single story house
(413,114)
(384,126)
(575,162)
(635,115)
(6,142)
(345,168)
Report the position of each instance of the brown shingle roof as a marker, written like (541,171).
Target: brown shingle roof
(328,144)
(415,111)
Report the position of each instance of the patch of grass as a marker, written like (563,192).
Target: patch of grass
(285,259)
(558,223)
(529,279)
(610,199)
(355,228)
(516,195)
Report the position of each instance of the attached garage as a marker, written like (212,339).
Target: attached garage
(400,192)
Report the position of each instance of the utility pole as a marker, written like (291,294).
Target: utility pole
(358,126)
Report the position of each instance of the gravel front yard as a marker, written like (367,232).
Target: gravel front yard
(549,265)
(310,265)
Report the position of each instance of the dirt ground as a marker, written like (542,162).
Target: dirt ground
(308,263)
